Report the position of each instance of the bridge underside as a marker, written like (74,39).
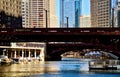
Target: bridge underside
(54,51)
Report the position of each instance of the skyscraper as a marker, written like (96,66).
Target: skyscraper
(61,13)
(77,13)
(117,14)
(39,13)
(10,14)
(70,10)
(101,13)
(53,15)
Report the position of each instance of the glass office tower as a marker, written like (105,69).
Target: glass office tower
(70,11)
(77,13)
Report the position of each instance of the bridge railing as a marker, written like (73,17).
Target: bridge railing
(60,30)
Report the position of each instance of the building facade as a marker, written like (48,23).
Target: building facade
(25,51)
(39,13)
(61,13)
(10,14)
(53,15)
(85,21)
(101,13)
(70,9)
(117,14)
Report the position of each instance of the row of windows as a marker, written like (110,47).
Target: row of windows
(33,19)
(33,22)
(32,14)
(103,17)
(104,25)
(103,8)
(29,25)
(9,7)
(33,8)
(11,1)
(103,13)
(103,20)
(36,3)
(103,5)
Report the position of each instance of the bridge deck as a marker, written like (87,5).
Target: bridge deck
(57,34)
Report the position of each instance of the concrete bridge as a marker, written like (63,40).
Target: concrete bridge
(58,34)
(96,38)
(54,51)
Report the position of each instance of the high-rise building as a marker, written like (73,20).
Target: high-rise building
(10,14)
(61,13)
(77,13)
(117,14)
(39,13)
(53,15)
(70,11)
(33,13)
(85,21)
(101,13)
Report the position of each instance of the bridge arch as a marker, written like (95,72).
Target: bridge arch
(55,51)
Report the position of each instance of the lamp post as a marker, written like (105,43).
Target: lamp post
(46,18)
(112,17)
(62,13)
(67,21)
(46,27)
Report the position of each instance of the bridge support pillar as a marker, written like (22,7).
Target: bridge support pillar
(35,54)
(42,54)
(22,54)
(3,52)
(29,54)
(15,54)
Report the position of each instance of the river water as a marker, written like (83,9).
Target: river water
(68,67)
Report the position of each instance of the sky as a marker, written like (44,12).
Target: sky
(85,7)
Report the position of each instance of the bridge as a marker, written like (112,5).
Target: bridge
(58,34)
(96,38)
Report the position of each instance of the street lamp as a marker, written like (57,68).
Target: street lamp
(112,17)
(46,18)
(67,21)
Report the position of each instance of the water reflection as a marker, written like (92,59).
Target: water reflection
(29,69)
(65,68)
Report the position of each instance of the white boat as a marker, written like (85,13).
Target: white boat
(4,60)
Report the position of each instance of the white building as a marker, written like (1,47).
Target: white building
(53,16)
(85,21)
(25,50)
